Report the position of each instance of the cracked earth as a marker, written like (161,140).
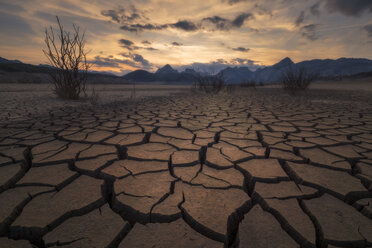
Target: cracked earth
(247,169)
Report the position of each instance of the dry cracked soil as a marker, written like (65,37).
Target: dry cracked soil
(245,169)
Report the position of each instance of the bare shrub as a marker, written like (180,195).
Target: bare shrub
(296,79)
(94,98)
(210,83)
(66,52)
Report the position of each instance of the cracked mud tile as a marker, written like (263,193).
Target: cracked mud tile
(11,243)
(341,224)
(185,158)
(186,173)
(97,150)
(295,217)
(47,175)
(48,208)
(321,157)
(233,153)
(151,151)
(259,229)
(125,139)
(95,229)
(13,200)
(124,167)
(179,133)
(174,234)
(9,172)
(264,169)
(92,165)
(215,158)
(283,190)
(338,182)
(141,192)
(212,207)
(230,176)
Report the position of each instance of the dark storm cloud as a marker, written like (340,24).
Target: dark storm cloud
(309,32)
(300,19)
(368,29)
(184,25)
(349,7)
(209,23)
(240,19)
(225,24)
(140,59)
(241,49)
(126,42)
(142,27)
(219,22)
(109,61)
(232,2)
(150,48)
(176,43)
(314,9)
(146,42)
(122,15)
(130,59)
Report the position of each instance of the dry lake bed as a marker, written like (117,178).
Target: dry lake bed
(173,167)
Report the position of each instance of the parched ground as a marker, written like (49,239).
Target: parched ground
(252,168)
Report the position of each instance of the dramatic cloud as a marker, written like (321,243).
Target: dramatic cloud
(143,63)
(232,2)
(240,19)
(368,28)
(217,22)
(241,49)
(126,42)
(142,27)
(349,7)
(146,42)
(309,32)
(220,64)
(176,44)
(300,19)
(185,25)
(122,15)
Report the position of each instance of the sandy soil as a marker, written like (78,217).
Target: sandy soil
(247,168)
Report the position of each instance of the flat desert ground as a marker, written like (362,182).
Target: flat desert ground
(172,167)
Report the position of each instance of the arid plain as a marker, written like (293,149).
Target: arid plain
(166,166)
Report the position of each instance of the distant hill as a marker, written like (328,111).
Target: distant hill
(326,68)
(18,66)
(165,74)
(15,71)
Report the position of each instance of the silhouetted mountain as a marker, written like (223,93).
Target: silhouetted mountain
(236,74)
(5,61)
(322,68)
(164,74)
(166,70)
(140,76)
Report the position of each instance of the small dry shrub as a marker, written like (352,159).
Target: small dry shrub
(297,79)
(210,83)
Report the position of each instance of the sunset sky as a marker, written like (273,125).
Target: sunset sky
(146,34)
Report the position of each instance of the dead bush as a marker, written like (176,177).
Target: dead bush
(210,83)
(66,53)
(297,79)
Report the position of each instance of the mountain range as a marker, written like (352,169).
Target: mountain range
(324,68)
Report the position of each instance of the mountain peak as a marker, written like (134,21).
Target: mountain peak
(283,63)
(166,69)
